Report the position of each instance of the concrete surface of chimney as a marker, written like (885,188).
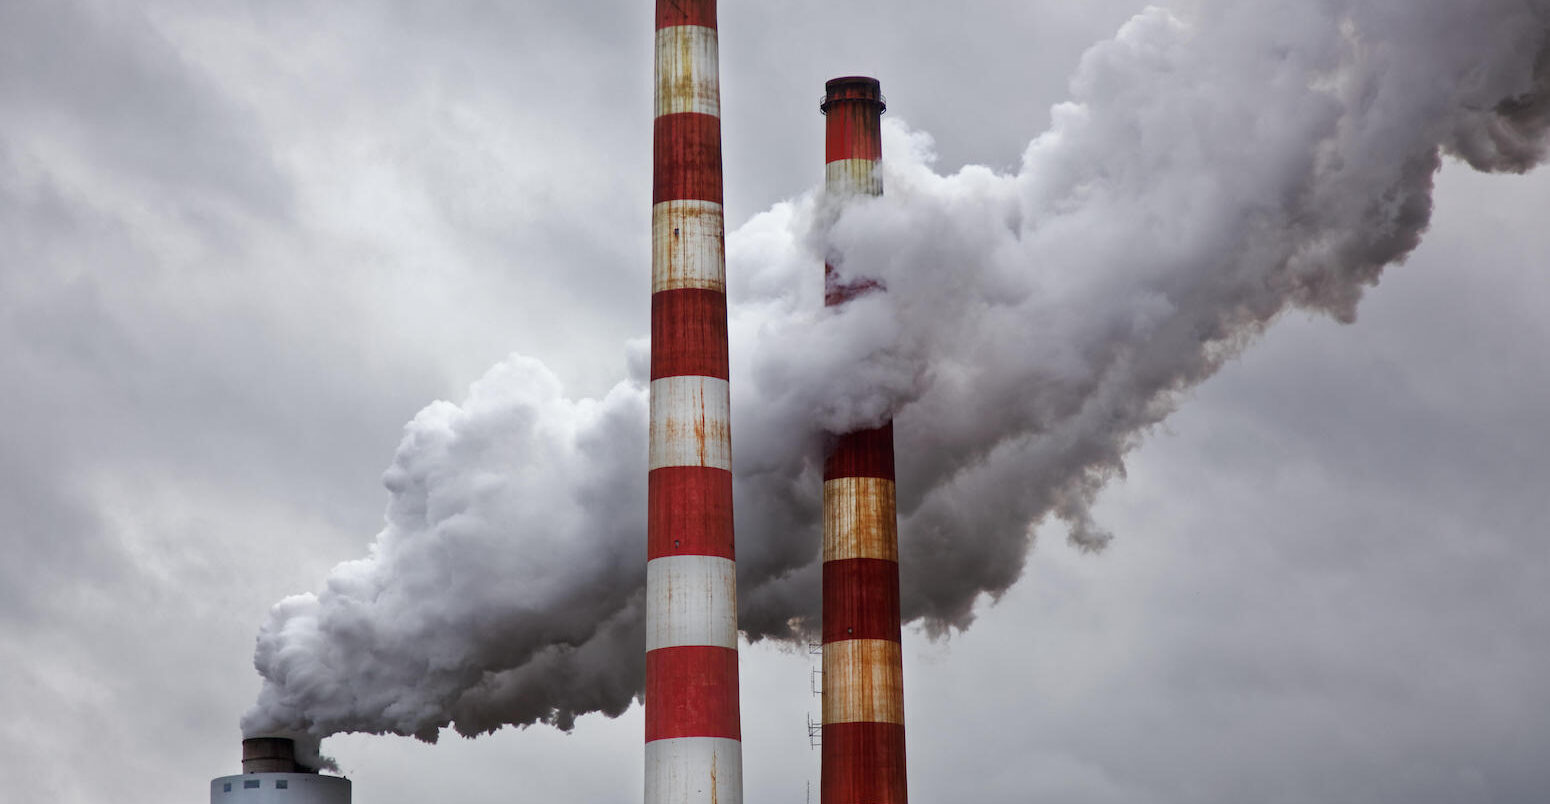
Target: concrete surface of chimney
(693,732)
(863,689)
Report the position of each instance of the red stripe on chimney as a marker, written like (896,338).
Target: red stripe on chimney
(686,12)
(861,599)
(691,692)
(687,150)
(689,512)
(863,763)
(864,453)
(689,333)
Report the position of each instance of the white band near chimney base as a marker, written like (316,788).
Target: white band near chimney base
(694,770)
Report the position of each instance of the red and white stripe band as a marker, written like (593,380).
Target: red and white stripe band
(693,730)
(863,684)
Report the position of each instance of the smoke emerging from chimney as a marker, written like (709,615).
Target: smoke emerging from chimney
(1212,170)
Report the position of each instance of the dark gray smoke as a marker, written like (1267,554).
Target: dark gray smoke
(1218,164)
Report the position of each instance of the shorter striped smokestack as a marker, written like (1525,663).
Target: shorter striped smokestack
(863,688)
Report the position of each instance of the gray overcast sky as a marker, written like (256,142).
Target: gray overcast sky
(241,244)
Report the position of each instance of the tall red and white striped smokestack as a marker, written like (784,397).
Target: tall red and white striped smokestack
(693,731)
(863,689)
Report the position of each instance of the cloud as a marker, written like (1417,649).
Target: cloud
(1212,170)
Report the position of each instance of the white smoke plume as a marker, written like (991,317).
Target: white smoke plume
(1218,163)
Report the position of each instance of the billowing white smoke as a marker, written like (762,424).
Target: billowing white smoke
(1217,165)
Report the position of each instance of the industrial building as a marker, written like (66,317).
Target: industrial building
(271,775)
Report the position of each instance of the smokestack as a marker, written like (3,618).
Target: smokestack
(863,689)
(693,732)
(271,775)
